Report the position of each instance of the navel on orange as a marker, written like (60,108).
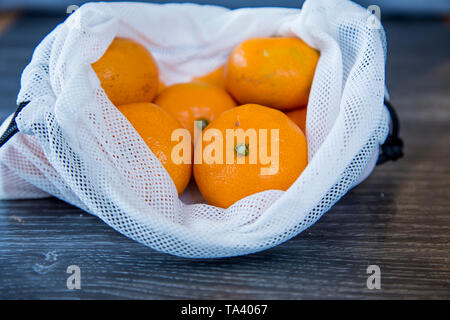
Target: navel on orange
(127,72)
(275,72)
(156,126)
(222,184)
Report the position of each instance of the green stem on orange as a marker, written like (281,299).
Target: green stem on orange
(241,149)
(201,123)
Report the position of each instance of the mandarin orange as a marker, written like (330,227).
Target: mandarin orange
(127,72)
(189,102)
(254,165)
(215,77)
(275,72)
(155,126)
(299,117)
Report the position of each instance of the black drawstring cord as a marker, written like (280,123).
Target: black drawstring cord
(391,149)
(12,127)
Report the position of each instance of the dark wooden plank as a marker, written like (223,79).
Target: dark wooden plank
(16,48)
(398,218)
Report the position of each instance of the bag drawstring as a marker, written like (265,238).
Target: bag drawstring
(391,149)
(12,127)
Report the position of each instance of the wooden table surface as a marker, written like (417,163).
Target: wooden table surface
(398,219)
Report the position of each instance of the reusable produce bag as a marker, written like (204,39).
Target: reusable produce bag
(75,145)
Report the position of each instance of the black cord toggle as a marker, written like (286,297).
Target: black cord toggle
(392,148)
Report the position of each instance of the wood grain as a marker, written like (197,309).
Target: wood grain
(398,218)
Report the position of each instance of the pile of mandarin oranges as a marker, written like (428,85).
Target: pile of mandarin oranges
(263,86)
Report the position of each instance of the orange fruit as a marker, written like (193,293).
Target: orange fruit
(222,183)
(299,117)
(275,72)
(155,126)
(216,78)
(189,102)
(161,87)
(127,72)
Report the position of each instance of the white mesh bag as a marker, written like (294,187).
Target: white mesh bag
(75,145)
